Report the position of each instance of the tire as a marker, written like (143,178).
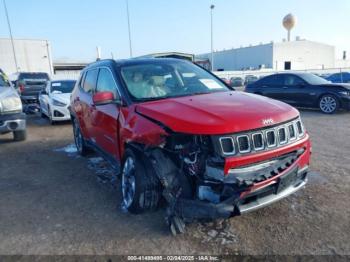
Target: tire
(328,104)
(19,135)
(139,186)
(79,140)
(50,117)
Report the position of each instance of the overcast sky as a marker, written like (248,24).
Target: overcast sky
(76,27)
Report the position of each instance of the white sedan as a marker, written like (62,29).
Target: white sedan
(54,100)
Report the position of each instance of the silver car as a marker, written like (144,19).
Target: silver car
(12,119)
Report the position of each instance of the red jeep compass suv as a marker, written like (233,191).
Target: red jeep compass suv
(174,131)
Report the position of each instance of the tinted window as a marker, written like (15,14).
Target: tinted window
(62,86)
(274,80)
(106,83)
(291,80)
(33,76)
(313,79)
(90,81)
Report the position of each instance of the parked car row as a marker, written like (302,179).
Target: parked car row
(239,81)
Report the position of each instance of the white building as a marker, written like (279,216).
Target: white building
(32,56)
(294,55)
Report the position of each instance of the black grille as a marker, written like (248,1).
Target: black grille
(270,138)
(258,141)
(243,144)
(282,135)
(265,139)
(227,145)
(300,128)
(291,131)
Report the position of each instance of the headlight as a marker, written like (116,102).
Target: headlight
(346,93)
(10,104)
(57,103)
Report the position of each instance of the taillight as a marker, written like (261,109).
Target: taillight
(21,88)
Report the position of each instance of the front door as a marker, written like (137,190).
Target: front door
(105,117)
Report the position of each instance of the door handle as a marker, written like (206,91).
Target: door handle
(284,87)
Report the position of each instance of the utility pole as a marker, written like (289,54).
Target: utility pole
(12,42)
(129,30)
(212,38)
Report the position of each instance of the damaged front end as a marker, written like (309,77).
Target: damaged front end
(197,183)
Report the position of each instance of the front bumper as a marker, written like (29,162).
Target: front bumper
(60,113)
(345,102)
(289,176)
(234,206)
(12,122)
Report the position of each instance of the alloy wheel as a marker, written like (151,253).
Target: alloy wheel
(78,139)
(328,104)
(128,182)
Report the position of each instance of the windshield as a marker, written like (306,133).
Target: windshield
(33,76)
(158,80)
(314,79)
(62,86)
(4,80)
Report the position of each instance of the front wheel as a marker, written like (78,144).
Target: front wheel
(19,135)
(328,104)
(52,122)
(140,188)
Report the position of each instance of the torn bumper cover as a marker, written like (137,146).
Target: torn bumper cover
(288,183)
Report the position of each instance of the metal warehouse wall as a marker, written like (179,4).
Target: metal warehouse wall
(32,56)
(242,58)
(303,55)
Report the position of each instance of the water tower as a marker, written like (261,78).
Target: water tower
(289,21)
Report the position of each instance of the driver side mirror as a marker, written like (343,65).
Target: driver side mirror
(103,98)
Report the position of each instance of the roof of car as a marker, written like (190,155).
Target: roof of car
(63,80)
(132,61)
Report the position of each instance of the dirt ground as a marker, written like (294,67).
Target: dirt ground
(55,202)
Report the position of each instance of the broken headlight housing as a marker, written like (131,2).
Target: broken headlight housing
(10,104)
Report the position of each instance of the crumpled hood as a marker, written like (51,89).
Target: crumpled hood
(217,113)
(64,98)
(6,91)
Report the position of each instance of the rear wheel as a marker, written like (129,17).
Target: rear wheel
(79,139)
(328,104)
(19,135)
(140,188)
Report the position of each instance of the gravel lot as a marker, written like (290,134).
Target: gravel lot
(55,202)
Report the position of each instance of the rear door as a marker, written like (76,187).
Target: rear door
(86,105)
(272,86)
(105,117)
